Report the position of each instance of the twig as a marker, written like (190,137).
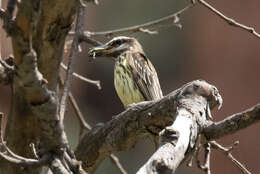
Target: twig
(74,164)
(27,162)
(93,82)
(85,125)
(34,151)
(230,21)
(227,152)
(16,159)
(207,152)
(87,39)
(206,166)
(142,27)
(74,50)
(116,162)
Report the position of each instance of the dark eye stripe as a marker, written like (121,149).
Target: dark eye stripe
(117,42)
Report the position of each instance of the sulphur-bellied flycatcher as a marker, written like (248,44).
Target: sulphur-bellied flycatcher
(135,78)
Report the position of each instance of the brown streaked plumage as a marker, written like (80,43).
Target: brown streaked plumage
(135,78)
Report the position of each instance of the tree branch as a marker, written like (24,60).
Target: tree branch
(230,21)
(206,166)
(72,56)
(87,39)
(193,110)
(84,79)
(227,152)
(122,132)
(172,19)
(11,157)
(85,125)
(175,142)
(232,123)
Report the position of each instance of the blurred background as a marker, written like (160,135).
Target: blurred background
(205,48)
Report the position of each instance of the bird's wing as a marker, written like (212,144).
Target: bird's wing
(145,76)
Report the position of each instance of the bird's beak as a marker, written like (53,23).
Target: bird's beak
(102,50)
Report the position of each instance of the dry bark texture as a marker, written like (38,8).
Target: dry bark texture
(34,102)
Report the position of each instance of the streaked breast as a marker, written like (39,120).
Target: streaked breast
(125,87)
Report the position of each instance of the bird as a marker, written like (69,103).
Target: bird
(135,78)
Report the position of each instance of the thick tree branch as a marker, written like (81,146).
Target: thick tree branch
(122,132)
(175,142)
(232,123)
(178,139)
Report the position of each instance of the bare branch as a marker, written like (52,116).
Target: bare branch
(230,21)
(74,165)
(85,125)
(171,19)
(16,159)
(138,121)
(232,123)
(27,162)
(87,39)
(117,163)
(84,79)
(206,166)
(227,152)
(175,142)
(177,139)
(57,167)
(73,53)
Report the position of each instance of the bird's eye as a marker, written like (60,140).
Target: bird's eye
(116,43)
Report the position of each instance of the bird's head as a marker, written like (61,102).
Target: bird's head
(116,47)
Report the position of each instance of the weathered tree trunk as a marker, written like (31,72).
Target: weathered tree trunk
(47,23)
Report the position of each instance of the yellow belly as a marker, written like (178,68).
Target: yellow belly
(126,89)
